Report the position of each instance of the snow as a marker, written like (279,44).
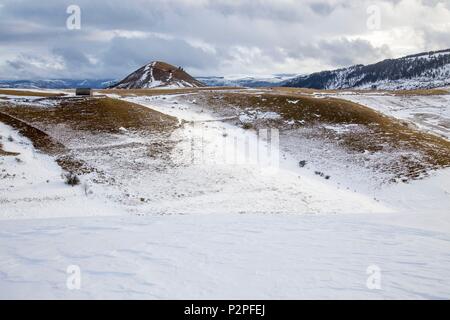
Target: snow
(441,79)
(213,229)
(418,72)
(217,171)
(251,116)
(32,186)
(431,195)
(340,128)
(228,257)
(356,188)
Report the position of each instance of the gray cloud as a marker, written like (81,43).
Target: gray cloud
(341,52)
(211,36)
(322,8)
(135,52)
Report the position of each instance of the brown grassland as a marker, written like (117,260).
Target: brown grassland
(26,93)
(95,114)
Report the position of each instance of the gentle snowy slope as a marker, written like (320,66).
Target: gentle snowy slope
(245,186)
(32,186)
(228,256)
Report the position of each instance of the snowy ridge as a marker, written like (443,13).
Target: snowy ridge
(421,71)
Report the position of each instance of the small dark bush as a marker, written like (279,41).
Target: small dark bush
(302,163)
(247,126)
(319,173)
(72,179)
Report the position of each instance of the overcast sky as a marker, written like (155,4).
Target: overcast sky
(213,37)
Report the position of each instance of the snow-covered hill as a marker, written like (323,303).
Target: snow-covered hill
(158,74)
(420,71)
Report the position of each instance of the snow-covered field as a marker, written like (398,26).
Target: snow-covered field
(216,256)
(215,228)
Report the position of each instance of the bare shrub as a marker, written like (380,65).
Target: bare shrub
(247,126)
(71,179)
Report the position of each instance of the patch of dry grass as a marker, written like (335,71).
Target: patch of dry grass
(307,108)
(96,115)
(22,93)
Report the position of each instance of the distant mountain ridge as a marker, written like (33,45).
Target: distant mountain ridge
(57,83)
(247,80)
(158,74)
(419,71)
